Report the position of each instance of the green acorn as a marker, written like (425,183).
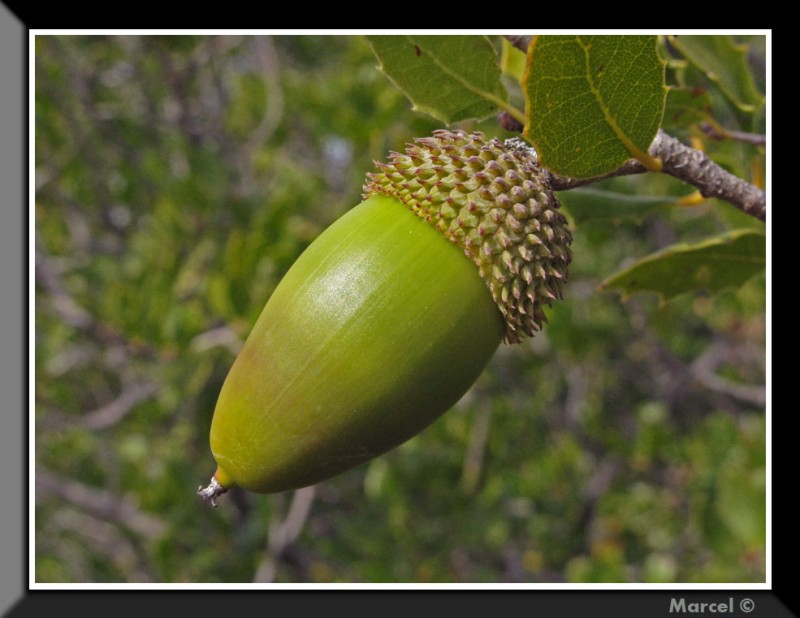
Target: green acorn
(382,325)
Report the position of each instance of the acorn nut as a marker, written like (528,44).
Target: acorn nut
(381,326)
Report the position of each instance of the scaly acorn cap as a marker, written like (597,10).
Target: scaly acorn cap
(493,200)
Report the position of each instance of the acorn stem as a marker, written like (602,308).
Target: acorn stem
(212,492)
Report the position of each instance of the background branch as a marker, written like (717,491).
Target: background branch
(283,533)
(476,450)
(106,539)
(106,415)
(113,412)
(740,136)
(704,370)
(98,503)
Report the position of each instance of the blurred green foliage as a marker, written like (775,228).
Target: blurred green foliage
(177,179)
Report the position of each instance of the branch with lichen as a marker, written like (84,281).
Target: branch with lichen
(692,167)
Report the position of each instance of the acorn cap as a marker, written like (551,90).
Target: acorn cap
(493,200)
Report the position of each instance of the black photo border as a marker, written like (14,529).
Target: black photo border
(18,599)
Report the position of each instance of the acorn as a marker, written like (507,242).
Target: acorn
(391,314)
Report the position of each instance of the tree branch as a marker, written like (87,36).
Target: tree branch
(740,136)
(62,303)
(220,336)
(692,167)
(476,450)
(113,412)
(704,369)
(283,533)
(685,163)
(99,503)
(106,539)
(565,183)
(107,415)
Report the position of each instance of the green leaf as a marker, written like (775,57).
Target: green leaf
(725,63)
(727,260)
(589,203)
(451,78)
(593,102)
